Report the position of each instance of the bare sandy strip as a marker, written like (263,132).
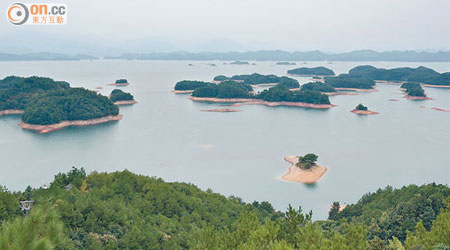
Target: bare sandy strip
(417,97)
(338,93)
(357,90)
(364,112)
(11,112)
(297,174)
(441,109)
(129,102)
(435,86)
(182,91)
(389,82)
(246,101)
(119,84)
(42,129)
(221,110)
(263,85)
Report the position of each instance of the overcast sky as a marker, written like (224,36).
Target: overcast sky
(222,25)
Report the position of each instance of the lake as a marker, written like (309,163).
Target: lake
(241,153)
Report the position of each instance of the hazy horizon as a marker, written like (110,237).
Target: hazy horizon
(103,27)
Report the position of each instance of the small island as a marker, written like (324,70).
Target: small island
(363,110)
(239,63)
(304,169)
(317,71)
(221,110)
(58,109)
(119,97)
(121,82)
(414,91)
(286,63)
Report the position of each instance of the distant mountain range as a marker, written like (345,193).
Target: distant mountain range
(263,55)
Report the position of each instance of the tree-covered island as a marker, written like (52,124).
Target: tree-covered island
(304,169)
(256,79)
(363,110)
(286,63)
(121,82)
(317,71)
(187,86)
(345,82)
(120,97)
(414,91)
(307,161)
(318,86)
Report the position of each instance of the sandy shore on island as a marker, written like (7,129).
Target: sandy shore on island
(221,110)
(364,112)
(417,97)
(441,109)
(435,86)
(119,84)
(182,91)
(357,90)
(11,112)
(297,174)
(42,129)
(130,102)
(338,93)
(245,101)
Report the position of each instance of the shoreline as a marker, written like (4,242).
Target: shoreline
(338,93)
(11,112)
(42,129)
(364,112)
(246,101)
(436,86)
(129,102)
(389,82)
(418,97)
(296,174)
(441,109)
(221,110)
(182,91)
(310,75)
(357,90)
(119,84)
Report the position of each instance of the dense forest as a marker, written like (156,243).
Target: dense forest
(16,92)
(226,89)
(123,210)
(413,89)
(318,86)
(118,95)
(317,71)
(282,94)
(69,104)
(191,85)
(255,79)
(345,81)
(419,74)
(122,81)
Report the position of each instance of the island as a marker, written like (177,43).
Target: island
(240,93)
(414,91)
(258,80)
(221,110)
(304,169)
(57,109)
(121,82)
(119,97)
(16,92)
(345,82)
(286,63)
(317,71)
(363,110)
(424,75)
(187,86)
(239,63)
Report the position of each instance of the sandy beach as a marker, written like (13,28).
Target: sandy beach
(297,174)
(119,84)
(435,86)
(441,109)
(364,112)
(417,97)
(245,101)
(182,91)
(11,112)
(130,102)
(42,129)
(221,110)
(338,93)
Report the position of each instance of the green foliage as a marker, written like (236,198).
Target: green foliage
(282,94)
(9,204)
(317,71)
(345,81)
(16,92)
(288,82)
(122,81)
(318,86)
(413,89)
(255,79)
(54,106)
(191,85)
(361,107)
(226,89)
(334,211)
(119,95)
(220,78)
(42,229)
(307,161)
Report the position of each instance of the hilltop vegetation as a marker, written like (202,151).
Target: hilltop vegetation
(317,71)
(226,89)
(413,89)
(70,104)
(119,95)
(16,92)
(318,86)
(256,79)
(282,94)
(345,81)
(122,210)
(191,85)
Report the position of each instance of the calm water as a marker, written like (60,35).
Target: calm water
(241,154)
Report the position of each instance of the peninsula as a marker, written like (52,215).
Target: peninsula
(304,169)
(187,86)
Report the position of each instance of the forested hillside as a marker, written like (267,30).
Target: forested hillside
(123,210)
